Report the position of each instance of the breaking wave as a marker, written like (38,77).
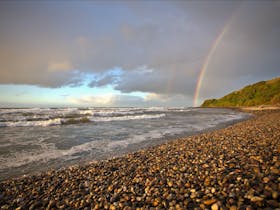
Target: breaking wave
(66,116)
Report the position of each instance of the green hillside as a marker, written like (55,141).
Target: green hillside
(261,93)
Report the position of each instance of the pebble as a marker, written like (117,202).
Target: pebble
(215,206)
(274,195)
(233,208)
(207,181)
(233,168)
(209,202)
(256,199)
(266,179)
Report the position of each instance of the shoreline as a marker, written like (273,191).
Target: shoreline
(143,145)
(236,167)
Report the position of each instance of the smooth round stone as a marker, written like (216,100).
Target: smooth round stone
(215,206)
(209,202)
(274,195)
(256,199)
(233,208)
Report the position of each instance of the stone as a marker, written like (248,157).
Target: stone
(266,179)
(233,208)
(256,199)
(207,181)
(209,202)
(275,195)
(215,206)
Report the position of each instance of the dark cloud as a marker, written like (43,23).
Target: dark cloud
(249,51)
(156,81)
(52,45)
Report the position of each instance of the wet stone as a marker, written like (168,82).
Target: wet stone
(232,168)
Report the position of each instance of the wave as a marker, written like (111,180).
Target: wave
(49,151)
(67,121)
(31,123)
(115,113)
(128,117)
(75,121)
(61,116)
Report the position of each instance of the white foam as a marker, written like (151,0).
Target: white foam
(46,153)
(135,139)
(156,109)
(114,113)
(86,112)
(31,123)
(128,117)
(145,136)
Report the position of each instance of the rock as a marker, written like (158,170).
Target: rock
(207,181)
(249,208)
(51,204)
(256,199)
(110,188)
(209,202)
(274,195)
(233,208)
(273,203)
(275,171)
(266,179)
(187,185)
(170,184)
(112,207)
(193,195)
(215,206)
(155,203)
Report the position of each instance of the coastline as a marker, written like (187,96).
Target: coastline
(236,167)
(113,142)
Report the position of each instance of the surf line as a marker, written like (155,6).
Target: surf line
(208,58)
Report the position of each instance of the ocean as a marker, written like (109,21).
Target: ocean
(38,139)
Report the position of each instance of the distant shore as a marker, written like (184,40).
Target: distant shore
(237,167)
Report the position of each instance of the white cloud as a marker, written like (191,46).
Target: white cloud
(156,97)
(98,100)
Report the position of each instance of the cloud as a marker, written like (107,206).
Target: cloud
(110,77)
(124,100)
(156,97)
(108,80)
(43,44)
(104,100)
(248,51)
(156,81)
(60,66)
(107,100)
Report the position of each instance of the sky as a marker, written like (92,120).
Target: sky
(134,53)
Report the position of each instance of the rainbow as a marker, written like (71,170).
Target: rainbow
(208,58)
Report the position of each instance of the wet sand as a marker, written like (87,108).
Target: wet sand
(237,167)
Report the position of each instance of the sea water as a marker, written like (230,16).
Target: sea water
(37,139)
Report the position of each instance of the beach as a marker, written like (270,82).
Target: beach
(237,167)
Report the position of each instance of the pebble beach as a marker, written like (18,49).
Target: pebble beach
(237,167)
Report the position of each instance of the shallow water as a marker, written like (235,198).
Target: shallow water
(34,140)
